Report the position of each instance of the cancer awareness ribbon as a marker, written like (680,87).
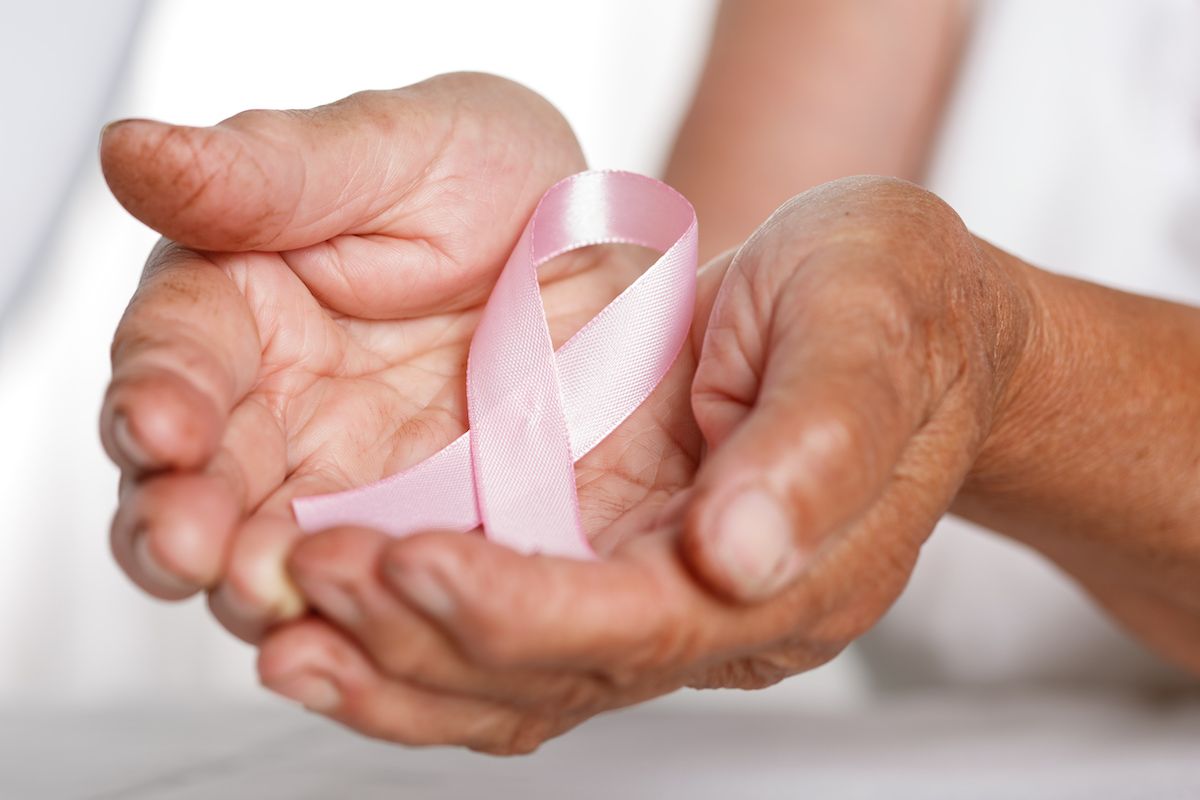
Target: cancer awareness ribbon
(534,412)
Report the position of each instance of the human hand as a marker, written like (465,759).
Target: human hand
(304,325)
(852,364)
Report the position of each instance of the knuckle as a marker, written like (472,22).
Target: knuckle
(670,642)
(888,201)
(671,646)
(486,622)
(521,735)
(579,695)
(888,306)
(797,656)
(164,254)
(759,671)
(833,437)
(846,440)
(258,119)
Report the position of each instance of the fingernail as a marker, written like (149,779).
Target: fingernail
(113,123)
(269,576)
(117,123)
(314,692)
(108,126)
(128,445)
(234,604)
(268,602)
(421,588)
(152,570)
(754,542)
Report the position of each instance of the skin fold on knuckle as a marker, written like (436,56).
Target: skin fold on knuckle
(808,643)
(672,636)
(153,337)
(487,108)
(769,666)
(522,735)
(146,353)
(578,694)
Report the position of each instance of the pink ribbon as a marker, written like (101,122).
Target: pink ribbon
(533,412)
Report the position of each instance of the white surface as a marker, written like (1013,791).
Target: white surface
(925,746)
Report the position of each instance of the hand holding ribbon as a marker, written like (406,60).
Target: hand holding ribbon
(305,330)
(834,446)
(534,414)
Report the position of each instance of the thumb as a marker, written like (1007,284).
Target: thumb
(796,455)
(282,180)
(267,180)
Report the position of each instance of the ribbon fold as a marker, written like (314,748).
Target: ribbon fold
(533,412)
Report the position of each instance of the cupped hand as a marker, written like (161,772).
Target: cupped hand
(854,359)
(303,326)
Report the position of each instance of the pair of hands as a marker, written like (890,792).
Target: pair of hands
(303,328)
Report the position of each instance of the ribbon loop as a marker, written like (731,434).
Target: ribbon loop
(533,412)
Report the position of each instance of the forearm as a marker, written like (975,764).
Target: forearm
(1094,459)
(799,92)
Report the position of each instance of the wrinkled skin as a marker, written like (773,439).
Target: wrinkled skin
(313,336)
(823,381)
(450,639)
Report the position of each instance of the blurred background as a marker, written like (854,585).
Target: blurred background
(1044,147)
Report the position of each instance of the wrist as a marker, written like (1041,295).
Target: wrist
(1022,376)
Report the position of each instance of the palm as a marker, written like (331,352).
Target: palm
(356,399)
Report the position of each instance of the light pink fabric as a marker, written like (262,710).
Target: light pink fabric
(534,412)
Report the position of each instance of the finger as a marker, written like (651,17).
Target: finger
(268,180)
(338,572)
(628,620)
(184,353)
(861,569)
(170,531)
(445,172)
(637,623)
(310,662)
(282,180)
(802,396)
(255,591)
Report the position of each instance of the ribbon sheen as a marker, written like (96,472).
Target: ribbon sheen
(533,412)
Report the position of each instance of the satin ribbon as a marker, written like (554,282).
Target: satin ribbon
(533,412)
